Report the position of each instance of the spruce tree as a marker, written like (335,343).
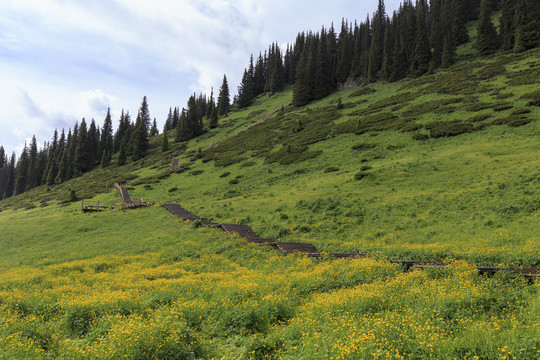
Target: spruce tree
(376,52)
(301,91)
(449,52)
(527,23)
(106,139)
(139,140)
(33,175)
(422,52)
(10,177)
(154,129)
(323,77)
(93,145)
(165,142)
(488,40)
(168,123)
(245,91)
(388,55)
(122,153)
(82,159)
(224,101)
(214,119)
(21,172)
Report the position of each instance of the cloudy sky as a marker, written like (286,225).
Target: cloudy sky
(62,60)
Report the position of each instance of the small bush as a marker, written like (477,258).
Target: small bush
(196,172)
(171,190)
(225,174)
(248,163)
(365,168)
(331,169)
(478,118)
(420,136)
(449,128)
(360,175)
(363,147)
(234,181)
(521,111)
(502,107)
(362,91)
(79,320)
(513,120)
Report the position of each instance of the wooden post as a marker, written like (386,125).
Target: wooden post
(97,206)
(82,205)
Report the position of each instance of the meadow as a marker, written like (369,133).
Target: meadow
(443,167)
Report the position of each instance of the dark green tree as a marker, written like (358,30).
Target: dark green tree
(33,169)
(10,183)
(376,52)
(106,138)
(527,22)
(214,119)
(82,159)
(421,57)
(93,145)
(245,91)
(154,129)
(122,153)
(224,101)
(301,91)
(165,142)
(139,140)
(388,54)
(488,40)
(21,172)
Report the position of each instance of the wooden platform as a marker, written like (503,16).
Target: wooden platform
(180,212)
(291,248)
(247,233)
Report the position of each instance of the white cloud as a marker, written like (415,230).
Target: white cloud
(70,57)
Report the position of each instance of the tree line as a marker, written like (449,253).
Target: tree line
(417,39)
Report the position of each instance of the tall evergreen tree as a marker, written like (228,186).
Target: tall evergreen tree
(139,139)
(301,93)
(422,52)
(106,139)
(224,101)
(376,52)
(245,90)
(10,186)
(527,22)
(388,54)
(93,145)
(82,158)
(154,129)
(488,40)
(165,142)
(21,172)
(214,119)
(33,175)
(122,153)
(323,77)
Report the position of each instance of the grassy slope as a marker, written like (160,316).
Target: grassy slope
(109,284)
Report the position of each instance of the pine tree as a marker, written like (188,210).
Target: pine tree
(63,167)
(376,52)
(388,55)
(33,175)
(345,48)
(72,146)
(301,92)
(3,172)
(460,18)
(93,145)
(82,159)
(527,23)
(144,114)
(245,91)
(422,52)
(165,142)
(323,77)
(21,172)
(139,140)
(214,119)
(488,40)
(122,153)
(449,52)
(154,129)
(106,139)
(10,186)
(224,100)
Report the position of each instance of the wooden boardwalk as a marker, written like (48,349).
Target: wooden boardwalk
(247,233)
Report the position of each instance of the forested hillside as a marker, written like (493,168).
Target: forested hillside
(417,39)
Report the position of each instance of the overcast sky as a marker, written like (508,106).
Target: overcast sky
(62,60)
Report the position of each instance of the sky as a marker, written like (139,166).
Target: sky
(62,60)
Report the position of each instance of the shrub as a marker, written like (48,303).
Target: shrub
(248,163)
(331,169)
(478,118)
(360,175)
(365,168)
(234,181)
(196,172)
(363,146)
(502,107)
(225,174)
(514,120)
(362,91)
(449,128)
(171,190)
